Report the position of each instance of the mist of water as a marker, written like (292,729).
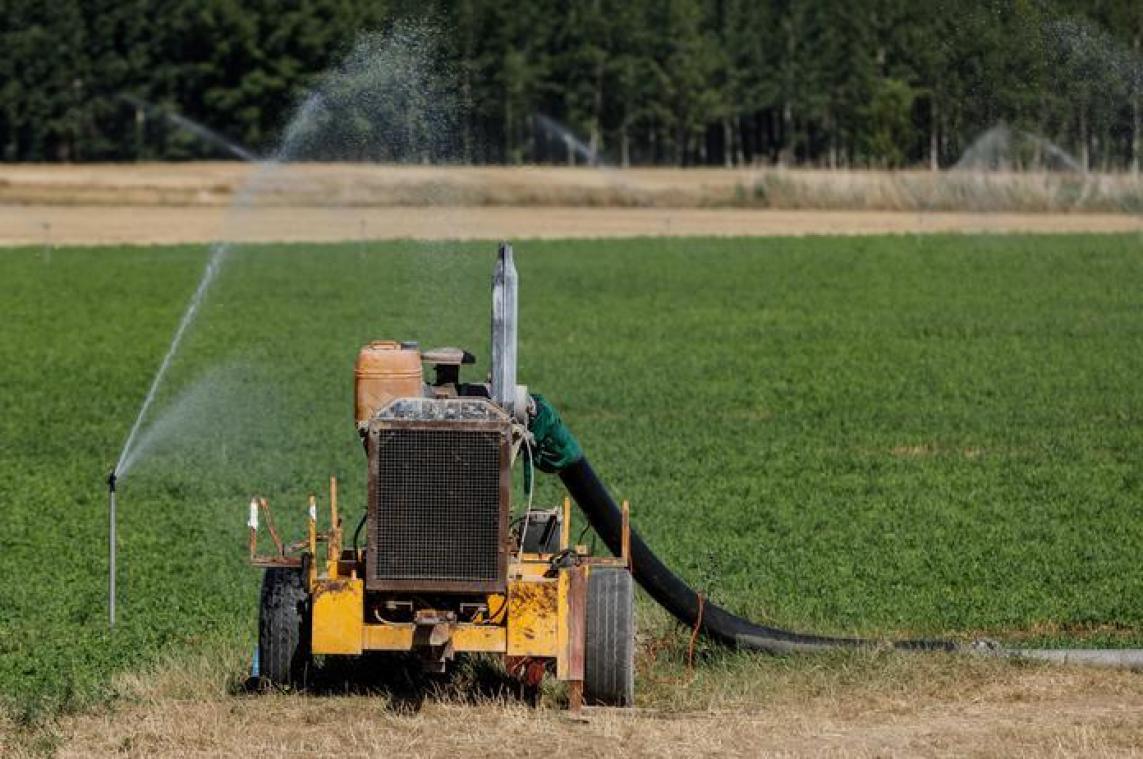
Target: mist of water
(388,100)
(575,145)
(126,456)
(201,131)
(1002,148)
(189,426)
(391,99)
(215,260)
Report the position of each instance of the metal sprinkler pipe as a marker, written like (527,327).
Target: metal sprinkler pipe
(111,543)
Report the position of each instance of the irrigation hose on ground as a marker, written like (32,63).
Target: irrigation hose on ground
(716,623)
(674,595)
(558,451)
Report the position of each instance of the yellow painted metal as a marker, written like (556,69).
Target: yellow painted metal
(562,631)
(570,626)
(533,606)
(486,638)
(625,535)
(497,608)
(337,616)
(387,637)
(471,638)
(565,526)
(524,623)
(529,566)
(333,552)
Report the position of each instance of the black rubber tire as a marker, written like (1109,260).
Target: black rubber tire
(609,639)
(284,628)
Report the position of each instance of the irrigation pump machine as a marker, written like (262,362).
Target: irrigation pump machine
(443,568)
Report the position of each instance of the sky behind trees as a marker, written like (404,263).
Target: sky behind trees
(839,83)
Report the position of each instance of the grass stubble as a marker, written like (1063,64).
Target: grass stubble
(852,704)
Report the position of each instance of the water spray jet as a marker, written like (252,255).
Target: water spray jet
(201,131)
(575,146)
(380,73)
(382,76)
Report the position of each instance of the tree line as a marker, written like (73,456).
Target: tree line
(831,83)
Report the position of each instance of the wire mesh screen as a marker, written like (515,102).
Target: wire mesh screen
(438,505)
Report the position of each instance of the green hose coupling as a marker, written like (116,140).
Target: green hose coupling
(556,448)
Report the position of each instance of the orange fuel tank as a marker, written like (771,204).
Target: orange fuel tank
(385,370)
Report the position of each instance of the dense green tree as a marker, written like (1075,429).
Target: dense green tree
(815,82)
(630,84)
(750,55)
(46,78)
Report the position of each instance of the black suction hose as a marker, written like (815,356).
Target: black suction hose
(674,595)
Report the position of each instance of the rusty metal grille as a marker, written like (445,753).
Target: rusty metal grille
(438,506)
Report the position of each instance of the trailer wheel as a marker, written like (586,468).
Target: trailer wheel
(284,628)
(609,638)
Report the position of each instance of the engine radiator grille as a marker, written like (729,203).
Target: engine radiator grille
(439,509)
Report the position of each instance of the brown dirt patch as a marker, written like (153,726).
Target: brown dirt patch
(120,225)
(843,706)
(202,202)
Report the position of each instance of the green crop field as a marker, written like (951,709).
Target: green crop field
(886,436)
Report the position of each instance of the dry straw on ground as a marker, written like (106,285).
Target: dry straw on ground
(374,185)
(854,705)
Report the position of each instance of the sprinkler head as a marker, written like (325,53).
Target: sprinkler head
(111,481)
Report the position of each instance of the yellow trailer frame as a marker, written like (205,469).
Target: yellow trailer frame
(541,617)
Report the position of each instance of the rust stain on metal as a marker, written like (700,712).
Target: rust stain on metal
(270,526)
(332,586)
(532,617)
(529,670)
(577,621)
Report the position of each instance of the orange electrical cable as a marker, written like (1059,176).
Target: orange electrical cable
(695,634)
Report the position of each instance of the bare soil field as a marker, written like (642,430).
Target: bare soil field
(916,707)
(202,202)
(119,225)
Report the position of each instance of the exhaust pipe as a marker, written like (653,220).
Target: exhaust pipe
(505,283)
